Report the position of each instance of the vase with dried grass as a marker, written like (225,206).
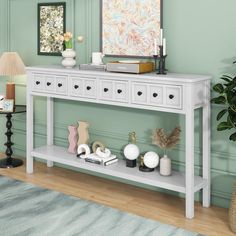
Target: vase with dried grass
(165,142)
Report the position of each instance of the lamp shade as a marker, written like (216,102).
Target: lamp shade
(11,64)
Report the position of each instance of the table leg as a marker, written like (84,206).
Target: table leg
(9,161)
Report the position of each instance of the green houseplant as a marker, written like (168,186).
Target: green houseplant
(227,97)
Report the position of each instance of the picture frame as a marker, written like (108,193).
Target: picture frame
(137,23)
(8,105)
(51,24)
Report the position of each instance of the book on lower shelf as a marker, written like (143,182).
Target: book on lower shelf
(93,158)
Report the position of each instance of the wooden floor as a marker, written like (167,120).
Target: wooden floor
(153,205)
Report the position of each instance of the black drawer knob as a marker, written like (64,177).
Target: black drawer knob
(37,82)
(106,90)
(119,91)
(59,85)
(171,96)
(139,93)
(76,86)
(88,87)
(155,95)
(48,83)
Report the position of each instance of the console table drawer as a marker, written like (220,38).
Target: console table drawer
(174,97)
(139,93)
(83,87)
(61,84)
(38,83)
(116,91)
(156,94)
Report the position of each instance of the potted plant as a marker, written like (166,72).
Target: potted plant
(227,97)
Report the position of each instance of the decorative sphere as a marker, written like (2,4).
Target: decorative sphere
(131,151)
(151,159)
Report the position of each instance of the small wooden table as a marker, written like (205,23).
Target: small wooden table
(9,161)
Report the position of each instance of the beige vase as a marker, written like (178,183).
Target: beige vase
(232,211)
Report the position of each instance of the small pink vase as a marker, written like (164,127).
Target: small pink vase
(73,139)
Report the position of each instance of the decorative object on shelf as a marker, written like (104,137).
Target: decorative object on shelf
(2,97)
(97,144)
(92,67)
(72,138)
(103,153)
(83,151)
(150,162)
(130,26)
(83,132)
(68,60)
(165,166)
(130,67)
(69,54)
(11,65)
(8,105)
(131,151)
(161,57)
(97,58)
(165,142)
(51,23)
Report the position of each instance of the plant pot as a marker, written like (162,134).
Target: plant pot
(68,60)
(232,211)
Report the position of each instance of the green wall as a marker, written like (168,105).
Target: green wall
(200,39)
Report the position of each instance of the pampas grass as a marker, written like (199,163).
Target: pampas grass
(166,141)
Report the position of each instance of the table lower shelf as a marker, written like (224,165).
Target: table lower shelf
(175,182)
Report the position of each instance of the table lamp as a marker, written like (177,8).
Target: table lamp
(11,65)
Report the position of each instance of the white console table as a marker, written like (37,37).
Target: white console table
(172,93)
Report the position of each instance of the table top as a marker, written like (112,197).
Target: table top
(17,109)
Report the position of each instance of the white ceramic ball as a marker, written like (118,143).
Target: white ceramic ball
(151,159)
(131,151)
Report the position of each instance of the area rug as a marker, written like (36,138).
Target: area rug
(28,210)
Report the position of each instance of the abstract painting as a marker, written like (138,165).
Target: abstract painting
(51,24)
(130,27)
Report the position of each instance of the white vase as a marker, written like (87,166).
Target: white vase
(165,166)
(68,60)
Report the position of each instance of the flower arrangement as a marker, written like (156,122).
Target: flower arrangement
(166,141)
(67,38)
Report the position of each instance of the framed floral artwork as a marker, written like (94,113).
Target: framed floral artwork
(51,24)
(130,27)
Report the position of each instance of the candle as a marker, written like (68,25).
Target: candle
(164,47)
(155,47)
(161,37)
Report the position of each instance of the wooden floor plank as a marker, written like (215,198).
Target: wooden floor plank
(167,209)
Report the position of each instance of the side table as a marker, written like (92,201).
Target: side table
(9,161)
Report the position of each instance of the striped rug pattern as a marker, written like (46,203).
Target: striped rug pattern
(28,210)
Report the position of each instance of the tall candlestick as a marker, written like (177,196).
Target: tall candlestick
(155,47)
(164,47)
(161,37)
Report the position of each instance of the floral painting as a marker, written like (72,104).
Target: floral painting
(51,25)
(130,27)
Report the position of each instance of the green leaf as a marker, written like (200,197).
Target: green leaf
(221,114)
(225,79)
(223,126)
(233,137)
(219,100)
(219,88)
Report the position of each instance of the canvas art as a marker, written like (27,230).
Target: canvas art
(130,27)
(51,24)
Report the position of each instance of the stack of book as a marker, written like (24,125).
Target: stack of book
(93,158)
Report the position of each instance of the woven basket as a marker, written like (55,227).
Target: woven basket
(232,211)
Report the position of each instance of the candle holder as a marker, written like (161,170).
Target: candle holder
(161,70)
